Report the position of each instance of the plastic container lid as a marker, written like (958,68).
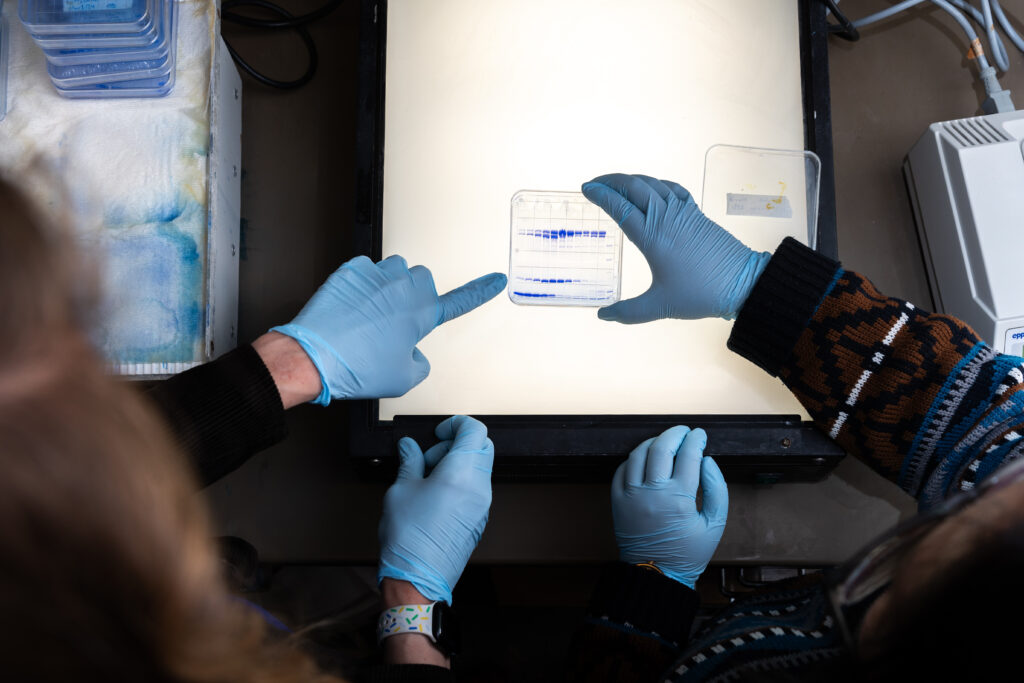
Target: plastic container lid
(565,251)
(113,72)
(3,66)
(157,49)
(762,196)
(93,74)
(150,38)
(150,87)
(45,17)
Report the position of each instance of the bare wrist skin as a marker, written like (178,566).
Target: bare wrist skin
(294,373)
(408,648)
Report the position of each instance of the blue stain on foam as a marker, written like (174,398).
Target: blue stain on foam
(154,290)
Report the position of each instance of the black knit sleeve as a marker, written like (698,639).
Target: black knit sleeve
(778,308)
(222,412)
(636,623)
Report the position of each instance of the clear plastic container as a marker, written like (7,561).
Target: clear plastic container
(48,17)
(4,36)
(150,87)
(106,73)
(159,48)
(93,74)
(564,251)
(151,38)
(762,196)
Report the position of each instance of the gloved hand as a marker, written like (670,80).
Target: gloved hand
(431,524)
(699,270)
(361,327)
(654,504)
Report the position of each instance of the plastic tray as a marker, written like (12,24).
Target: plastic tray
(47,17)
(3,65)
(564,251)
(151,38)
(762,195)
(156,49)
(113,72)
(150,87)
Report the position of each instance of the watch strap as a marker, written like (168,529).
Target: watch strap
(406,619)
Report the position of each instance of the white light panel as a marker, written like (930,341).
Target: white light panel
(484,99)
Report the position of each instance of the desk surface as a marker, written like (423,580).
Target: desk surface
(300,501)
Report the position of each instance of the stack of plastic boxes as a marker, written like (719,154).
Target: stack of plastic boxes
(105,48)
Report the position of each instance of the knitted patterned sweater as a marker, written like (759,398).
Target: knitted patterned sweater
(915,395)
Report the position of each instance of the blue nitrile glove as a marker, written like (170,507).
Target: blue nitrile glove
(361,327)
(654,504)
(431,524)
(699,270)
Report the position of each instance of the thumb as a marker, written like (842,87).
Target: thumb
(716,494)
(641,309)
(411,461)
(420,367)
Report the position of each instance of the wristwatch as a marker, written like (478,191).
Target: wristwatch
(436,621)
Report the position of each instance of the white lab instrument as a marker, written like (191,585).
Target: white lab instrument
(966,184)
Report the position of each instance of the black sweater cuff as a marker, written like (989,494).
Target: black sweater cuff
(781,303)
(646,601)
(223,412)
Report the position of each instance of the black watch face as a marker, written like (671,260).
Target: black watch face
(447,634)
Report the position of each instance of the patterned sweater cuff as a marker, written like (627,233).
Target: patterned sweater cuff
(783,300)
(644,601)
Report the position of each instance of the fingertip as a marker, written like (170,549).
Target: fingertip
(700,437)
(493,284)
(662,454)
(470,296)
(410,457)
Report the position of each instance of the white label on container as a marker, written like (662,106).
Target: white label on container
(96,5)
(1014,342)
(760,205)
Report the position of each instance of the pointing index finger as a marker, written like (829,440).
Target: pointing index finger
(464,299)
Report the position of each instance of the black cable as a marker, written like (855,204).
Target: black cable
(242,19)
(290,22)
(845,28)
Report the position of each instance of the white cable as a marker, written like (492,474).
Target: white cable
(997,99)
(886,13)
(1007,27)
(998,49)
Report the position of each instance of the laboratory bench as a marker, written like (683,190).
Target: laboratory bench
(303,502)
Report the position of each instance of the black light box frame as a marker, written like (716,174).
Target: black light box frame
(755,448)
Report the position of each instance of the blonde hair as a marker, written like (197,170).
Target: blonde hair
(107,568)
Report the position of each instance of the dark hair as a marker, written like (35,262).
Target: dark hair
(107,569)
(953,603)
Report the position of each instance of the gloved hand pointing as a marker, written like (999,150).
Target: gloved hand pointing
(699,270)
(654,505)
(431,524)
(361,327)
